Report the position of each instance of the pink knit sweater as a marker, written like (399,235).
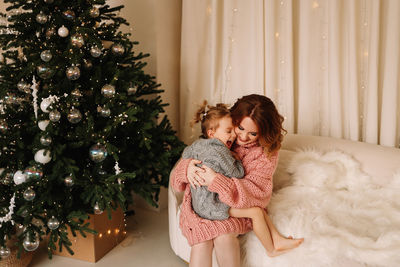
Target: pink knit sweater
(254,189)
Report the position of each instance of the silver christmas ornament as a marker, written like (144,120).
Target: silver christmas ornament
(69,181)
(87,64)
(77,40)
(5,252)
(118,49)
(95,51)
(63,31)
(74,116)
(33,172)
(132,90)
(30,245)
(69,15)
(97,209)
(108,90)
(24,86)
(42,156)
(73,73)
(94,12)
(41,18)
(3,127)
(98,153)
(53,223)
(24,213)
(76,93)
(46,55)
(45,140)
(44,71)
(103,111)
(54,115)
(29,194)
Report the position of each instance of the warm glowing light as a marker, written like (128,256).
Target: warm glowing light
(277,34)
(100,235)
(109,231)
(124,232)
(315,4)
(116,231)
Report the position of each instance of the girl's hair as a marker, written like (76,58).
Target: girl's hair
(209,117)
(265,115)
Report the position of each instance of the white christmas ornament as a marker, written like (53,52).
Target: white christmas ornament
(43,124)
(63,31)
(19,177)
(45,104)
(43,156)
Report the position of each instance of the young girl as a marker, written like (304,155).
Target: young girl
(213,150)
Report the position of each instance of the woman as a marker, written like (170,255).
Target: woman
(258,127)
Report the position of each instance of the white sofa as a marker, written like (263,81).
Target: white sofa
(376,161)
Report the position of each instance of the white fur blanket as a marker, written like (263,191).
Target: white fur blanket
(346,218)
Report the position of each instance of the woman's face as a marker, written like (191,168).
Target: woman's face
(246,131)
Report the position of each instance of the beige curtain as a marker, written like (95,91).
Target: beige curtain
(331,67)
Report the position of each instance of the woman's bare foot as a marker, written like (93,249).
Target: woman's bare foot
(283,243)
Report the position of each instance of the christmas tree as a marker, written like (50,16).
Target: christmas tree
(80,121)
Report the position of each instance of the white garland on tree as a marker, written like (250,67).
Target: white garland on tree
(34,94)
(117,171)
(7,217)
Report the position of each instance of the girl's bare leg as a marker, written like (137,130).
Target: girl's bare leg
(227,250)
(201,254)
(262,230)
(280,242)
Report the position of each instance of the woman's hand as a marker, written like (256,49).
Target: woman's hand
(208,175)
(192,173)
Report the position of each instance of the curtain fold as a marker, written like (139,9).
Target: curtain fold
(331,67)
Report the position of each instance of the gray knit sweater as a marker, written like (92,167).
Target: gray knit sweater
(214,154)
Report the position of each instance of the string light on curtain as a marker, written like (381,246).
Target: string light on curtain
(363,69)
(231,40)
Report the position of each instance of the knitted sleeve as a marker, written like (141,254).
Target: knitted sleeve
(254,189)
(179,175)
(222,161)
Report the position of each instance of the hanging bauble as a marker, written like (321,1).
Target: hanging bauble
(19,177)
(69,181)
(94,12)
(76,93)
(50,32)
(97,209)
(53,223)
(34,172)
(49,1)
(132,90)
(74,116)
(24,86)
(43,124)
(73,73)
(41,18)
(118,49)
(5,252)
(87,64)
(45,140)
(54,115)
(98,153)
(46,55)
(77,40)
(29,194)
(45,104)
(103,111)
(68,15)
(3,127)
(63,31)
(24,213)
(108,90)
(95,51)
(30,245)
(44,71)
(42,156)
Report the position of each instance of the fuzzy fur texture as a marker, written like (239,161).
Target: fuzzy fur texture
(346,218)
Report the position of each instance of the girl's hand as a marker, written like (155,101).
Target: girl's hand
(208,175)
(235,155)
(192,173)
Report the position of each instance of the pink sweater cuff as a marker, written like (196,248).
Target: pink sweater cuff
(221,185)
(179,178)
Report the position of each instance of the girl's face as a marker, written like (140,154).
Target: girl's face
(224,132)
(246,131)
